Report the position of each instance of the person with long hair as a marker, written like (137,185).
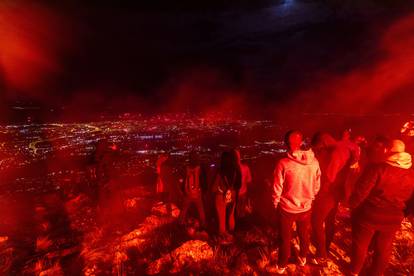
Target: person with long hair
(226,186)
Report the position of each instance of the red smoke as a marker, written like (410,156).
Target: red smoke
(31,40)
(367,88)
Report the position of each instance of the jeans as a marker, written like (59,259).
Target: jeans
(323,223)
(303,223)
(225,214)
(198,202)
(362,234)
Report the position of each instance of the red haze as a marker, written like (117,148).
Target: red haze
(367,88)
(31,41)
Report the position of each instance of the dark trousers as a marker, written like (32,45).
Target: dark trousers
(303,223)
(225,214)
(362,234)
(323,223)
(198,203)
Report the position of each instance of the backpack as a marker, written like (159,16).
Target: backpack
(192,181)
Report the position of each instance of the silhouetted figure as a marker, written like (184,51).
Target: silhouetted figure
(100,168)
(193,185)
(166,184)
(378,206)
(354,168)
(160,186)
(296,183)
(335,159)
(105,156)
(243,202)
(226,188)
(376,150)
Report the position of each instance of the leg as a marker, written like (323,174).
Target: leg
(200,208)
(285,232)
(322,208)
(330,225)
(303,227)
(230,212)
(183,213)
(241,206)
(221,213)
(319,213)
(361,238)
(168,203)
(382,252)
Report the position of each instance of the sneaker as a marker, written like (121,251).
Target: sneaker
(302,261)
(276,269)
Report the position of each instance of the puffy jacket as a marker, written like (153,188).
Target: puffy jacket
(296,181)
(383,189)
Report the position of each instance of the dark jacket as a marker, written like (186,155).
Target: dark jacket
(335,163)
(381,194)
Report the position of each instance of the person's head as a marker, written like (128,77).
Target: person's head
(193,158)
(378,148)
(396,146)
(346,135)
(229,161)
(293,140)
(321,140)
(360,141)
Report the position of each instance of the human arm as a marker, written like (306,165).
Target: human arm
(364,185)
(278,181)
(317,181)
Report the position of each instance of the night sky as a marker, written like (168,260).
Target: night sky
(122,56)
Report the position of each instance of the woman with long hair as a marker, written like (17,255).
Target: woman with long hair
(226,187)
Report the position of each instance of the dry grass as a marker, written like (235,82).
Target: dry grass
(159,245)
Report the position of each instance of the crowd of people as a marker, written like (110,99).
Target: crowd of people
(228,190)
(375,181)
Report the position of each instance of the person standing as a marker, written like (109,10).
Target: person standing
(296,183)
(194,183)
(378,205)
(335,159)
(160,185)
(166,184)
(246,179)
(226,188)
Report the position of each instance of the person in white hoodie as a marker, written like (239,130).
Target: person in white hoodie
(296,183)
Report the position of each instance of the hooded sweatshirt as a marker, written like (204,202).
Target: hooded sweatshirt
(383,189)
(400,160)
(296,182)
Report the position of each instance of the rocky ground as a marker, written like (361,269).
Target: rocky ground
(134,240)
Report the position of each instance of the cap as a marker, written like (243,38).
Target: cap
(397,146)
